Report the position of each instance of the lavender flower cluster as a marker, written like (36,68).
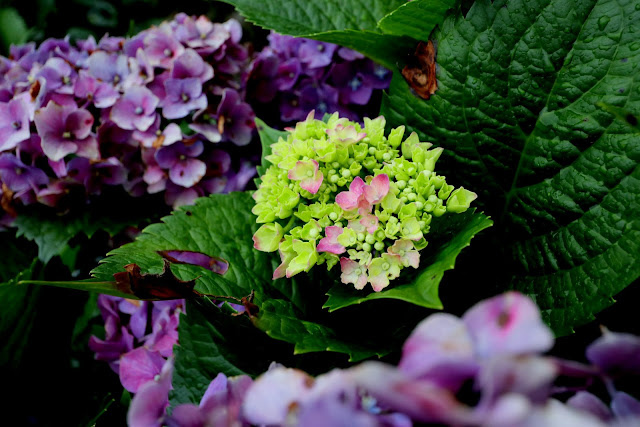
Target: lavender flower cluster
(484,369)
(300,75)
(144,113)
(139,337)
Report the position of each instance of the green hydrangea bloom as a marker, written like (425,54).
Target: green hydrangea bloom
(341,193)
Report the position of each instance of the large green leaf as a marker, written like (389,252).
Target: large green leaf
(416,19)
(517,111)
(380,29)
(448,236)
(52,233)
(281,321)
(212,341)
(222,226)
(301,17)
(219,225)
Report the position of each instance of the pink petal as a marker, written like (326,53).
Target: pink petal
(378,188)
(370,222)
(347,200)
(312,184)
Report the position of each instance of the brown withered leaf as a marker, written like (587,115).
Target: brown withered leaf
(149,286)
(420,71)
(6,201)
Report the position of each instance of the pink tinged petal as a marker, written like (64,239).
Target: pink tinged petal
(187,173)
(353,272)
(273,396)
(587,402)
(312,185)
(378,189)
(370,222)
(309,175)
(406,251)
(171,134)
(439,349)
(139,366)
(148,406)
(507,324)
(330,243)
(421,400)
(88,148)
(379,282)
(79,123)
(347,200)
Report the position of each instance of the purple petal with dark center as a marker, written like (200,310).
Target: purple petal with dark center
(14,124)
(188,172)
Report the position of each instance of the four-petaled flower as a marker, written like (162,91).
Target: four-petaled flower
(308,174)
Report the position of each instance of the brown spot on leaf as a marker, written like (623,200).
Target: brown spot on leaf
(420,71)
(163,286)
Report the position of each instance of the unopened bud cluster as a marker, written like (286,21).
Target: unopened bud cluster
(339,192)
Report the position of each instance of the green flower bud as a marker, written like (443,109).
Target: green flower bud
(408,144)
(366,247)
(370,239)
(460,200)
(378,246)
(395,136)
(268,237)
(445,191)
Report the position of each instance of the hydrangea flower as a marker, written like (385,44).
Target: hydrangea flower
(119,113)
(299,75)
(339,192)
(512,384)
(133,352)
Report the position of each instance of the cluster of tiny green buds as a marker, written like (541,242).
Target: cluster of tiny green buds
(341,193)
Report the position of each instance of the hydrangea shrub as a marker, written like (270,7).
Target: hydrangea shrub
(338,192)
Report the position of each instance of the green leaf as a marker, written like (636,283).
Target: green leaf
(222,226)
(280,320)
(268,136)
(13,29)
(19,302)
(219,225)
(448,236)
(52,233)
(212,342)
(301,17)
(517,113)
(388,50)
(416,19)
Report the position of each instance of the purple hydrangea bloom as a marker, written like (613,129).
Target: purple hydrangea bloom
(14,124)
(65,130)
(135,109)
(183,96)
(235,118)
(303,75)
(180,159)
